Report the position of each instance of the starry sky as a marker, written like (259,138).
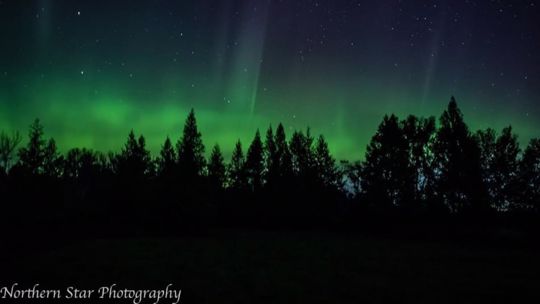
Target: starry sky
(93,70)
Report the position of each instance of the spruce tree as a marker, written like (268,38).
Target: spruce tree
(325,165)
(216,168)
(237,174)
(167,160)
(301,149)
(134,161)
(32,156)
(270,156)
(191,160)
(255,163)
(283,155)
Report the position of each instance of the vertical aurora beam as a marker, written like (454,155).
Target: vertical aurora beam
(432,58)
(247,60)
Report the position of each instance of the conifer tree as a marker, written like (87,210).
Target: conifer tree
(237,174)
(216,168)
(283,155)
(255,163)
(325,165)
(167,160)
(301,149)
(270,156)
(191,160)
(32,157)
(134,161)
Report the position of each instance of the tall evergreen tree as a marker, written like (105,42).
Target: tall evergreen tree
(283,155)
(270,156)
(237,174)
(167,160)
(191,160)
(134,161)
(32,156)
(457,164)
(255,163)
(301,149)
(216,168)
(325,165)
(386,172)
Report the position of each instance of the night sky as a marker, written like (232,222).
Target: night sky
(93,70)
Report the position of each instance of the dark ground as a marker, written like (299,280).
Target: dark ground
(289,267)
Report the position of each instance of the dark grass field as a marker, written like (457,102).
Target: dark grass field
(291,267)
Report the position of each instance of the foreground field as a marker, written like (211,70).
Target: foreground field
(272,267)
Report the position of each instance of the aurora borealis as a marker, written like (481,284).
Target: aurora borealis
(94,70)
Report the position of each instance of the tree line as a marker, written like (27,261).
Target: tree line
(411,167)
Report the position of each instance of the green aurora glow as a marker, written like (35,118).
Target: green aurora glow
(92,71)
(100,116)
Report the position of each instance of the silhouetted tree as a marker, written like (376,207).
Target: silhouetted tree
(270,156)
(191,160)
(325,165)
(52,160)
(82,164)
(506,169)
(487,142)
(32,157)
(457,164)
(166,163)
(255,163)
(301,149)
(529,178)
(499,160)
(8,144)
(283,155)
(237,172)
(419,134)
(134,161)
(386,177)
(216,168)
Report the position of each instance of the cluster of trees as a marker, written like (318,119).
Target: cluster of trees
(265,162)
(412,166)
